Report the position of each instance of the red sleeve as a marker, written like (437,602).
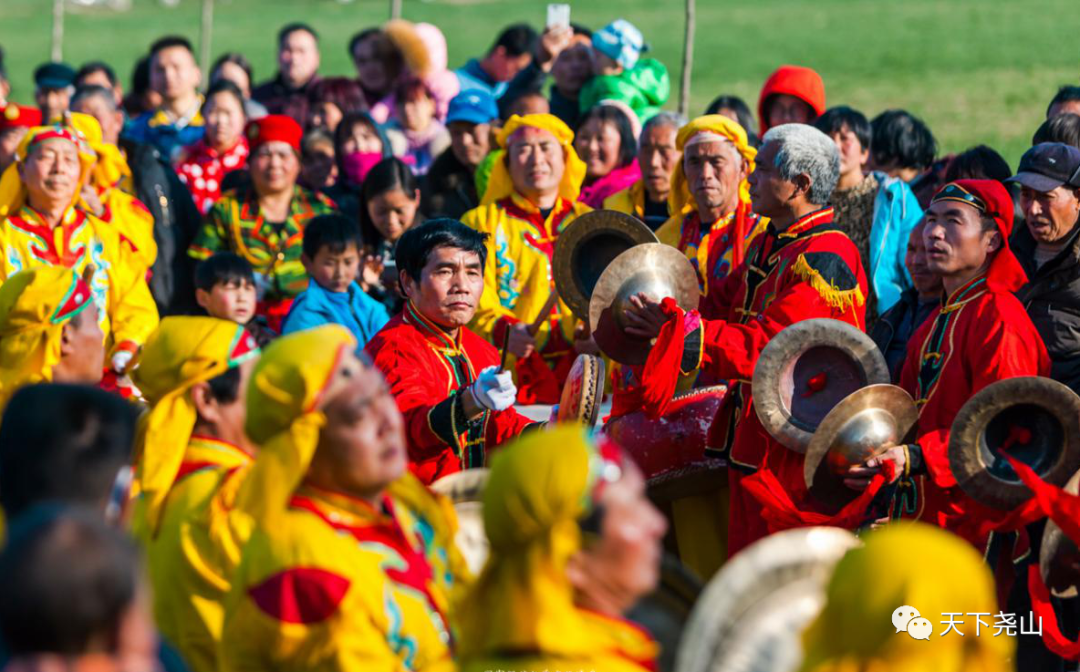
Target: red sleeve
(419,384)
(504,426)
(731,350)
(717,305)
(999,343)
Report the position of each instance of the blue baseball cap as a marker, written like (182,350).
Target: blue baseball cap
(475,106)
(620,41)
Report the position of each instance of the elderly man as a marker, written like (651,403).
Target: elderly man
(192,458)
(298,71)
(48,330)
(352,560)
(1048,247)
(43,227)
(531,196)
(980,334)
(800,267)
(54,83)
(712,221)
(178,122)
(442,273)
(658,154)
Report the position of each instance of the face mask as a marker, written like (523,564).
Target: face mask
(358,164)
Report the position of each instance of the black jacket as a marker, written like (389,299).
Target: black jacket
(1052,300)
(449,188)
(176,221)
(894,329)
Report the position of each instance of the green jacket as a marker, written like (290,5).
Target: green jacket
(645,88)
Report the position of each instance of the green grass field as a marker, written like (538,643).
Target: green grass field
(978,71)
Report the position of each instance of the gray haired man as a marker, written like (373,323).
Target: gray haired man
(647,199)
(801,267)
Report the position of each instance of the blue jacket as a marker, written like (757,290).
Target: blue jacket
(896,212)
(354,310)
(167,138)
(472,76)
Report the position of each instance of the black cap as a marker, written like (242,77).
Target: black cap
(1049,165)
(54,76)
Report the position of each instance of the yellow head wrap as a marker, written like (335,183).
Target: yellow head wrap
(907,565)
(679,196)
(111,166)
(34,307)
(13,193)
(523,601)
(283,418)
(183,352)
(499,184)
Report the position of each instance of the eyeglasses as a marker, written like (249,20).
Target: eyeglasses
(954,192)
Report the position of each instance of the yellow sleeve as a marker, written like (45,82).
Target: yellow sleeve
(490,219)
(670,231)
(133,315)
(621,201)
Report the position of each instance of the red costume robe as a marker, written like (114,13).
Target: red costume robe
(809,270)
(426,370)
(978,336)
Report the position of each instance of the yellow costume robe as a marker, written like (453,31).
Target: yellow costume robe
(192,558)
(630,201)
(327,581)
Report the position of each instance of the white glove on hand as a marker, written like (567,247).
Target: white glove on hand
(494,390)
(121,360)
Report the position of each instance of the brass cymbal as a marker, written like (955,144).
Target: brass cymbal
(748,606)
(864,424)
(807,369)
(585,248)
(658,270)
(1036,420)
(1058,556)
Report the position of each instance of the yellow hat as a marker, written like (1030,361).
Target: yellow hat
(34,307)
(283,415)
(181,353)
(110,166)
(907,565)
(499,184)
(716,125)
(12,192)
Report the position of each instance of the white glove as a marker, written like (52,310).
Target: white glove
(121,360)
(494,390)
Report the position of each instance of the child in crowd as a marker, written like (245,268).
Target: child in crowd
(225,289)
(390,205)
(427,137)
(331,256)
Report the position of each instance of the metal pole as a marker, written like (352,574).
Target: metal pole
(395,9)
(687,61)
(57,51)
(206,31)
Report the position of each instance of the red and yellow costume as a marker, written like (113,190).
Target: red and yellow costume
(517,277)
(328,581)
(521,614)
(186,484)
(34,307)
(426,371)
(980,334)
(809,270)
(127,311)
(717,248)
(111,179)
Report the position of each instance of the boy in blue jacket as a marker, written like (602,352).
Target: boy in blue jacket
(332,256)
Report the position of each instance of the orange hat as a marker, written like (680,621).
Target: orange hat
(274,128)
(793,80)
(19,116)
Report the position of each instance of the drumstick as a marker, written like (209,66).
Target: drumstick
(534,327)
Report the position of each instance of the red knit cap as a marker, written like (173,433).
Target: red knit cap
(274,128)
(19,116)
(793,80)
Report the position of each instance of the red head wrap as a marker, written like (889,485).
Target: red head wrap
(274,128)
(991,199)
(19,116)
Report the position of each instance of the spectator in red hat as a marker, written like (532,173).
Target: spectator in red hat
(15,121)
(791,95)
(263,221)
